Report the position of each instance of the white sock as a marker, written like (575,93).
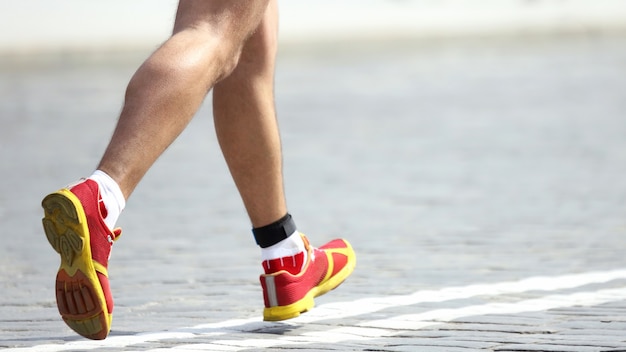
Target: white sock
(288,247)
(112,196)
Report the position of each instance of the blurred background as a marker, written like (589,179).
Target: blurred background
(34,25)
(474,141)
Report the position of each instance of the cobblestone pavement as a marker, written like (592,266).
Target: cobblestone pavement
(481,183)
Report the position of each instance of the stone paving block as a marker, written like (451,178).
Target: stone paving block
(415,348)
(519,319)
(546,348)
(452,343)
(508,328)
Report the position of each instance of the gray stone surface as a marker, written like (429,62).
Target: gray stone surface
(445,163)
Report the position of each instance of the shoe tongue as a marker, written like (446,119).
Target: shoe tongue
(292,264)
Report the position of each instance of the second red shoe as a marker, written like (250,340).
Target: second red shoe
(288,294)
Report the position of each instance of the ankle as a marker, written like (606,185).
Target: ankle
(282,246)
(111,196)
(271,234)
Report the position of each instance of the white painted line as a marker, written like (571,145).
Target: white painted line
(439,316)
(369,305)
(389,327)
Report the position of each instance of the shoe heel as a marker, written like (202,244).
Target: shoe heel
(60,220)
(91,328)
(80,306)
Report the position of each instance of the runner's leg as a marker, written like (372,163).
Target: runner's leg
(245,122)
(166,91)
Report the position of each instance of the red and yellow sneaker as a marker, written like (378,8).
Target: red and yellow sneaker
(74,225)
(287,293)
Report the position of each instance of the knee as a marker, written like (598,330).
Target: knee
(227,58)
(188,61)
(205,56)
(253,59)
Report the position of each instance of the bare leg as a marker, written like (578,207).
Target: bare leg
(166,91)
(245,122)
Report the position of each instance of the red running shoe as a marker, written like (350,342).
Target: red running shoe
(286,294)
(74,225)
